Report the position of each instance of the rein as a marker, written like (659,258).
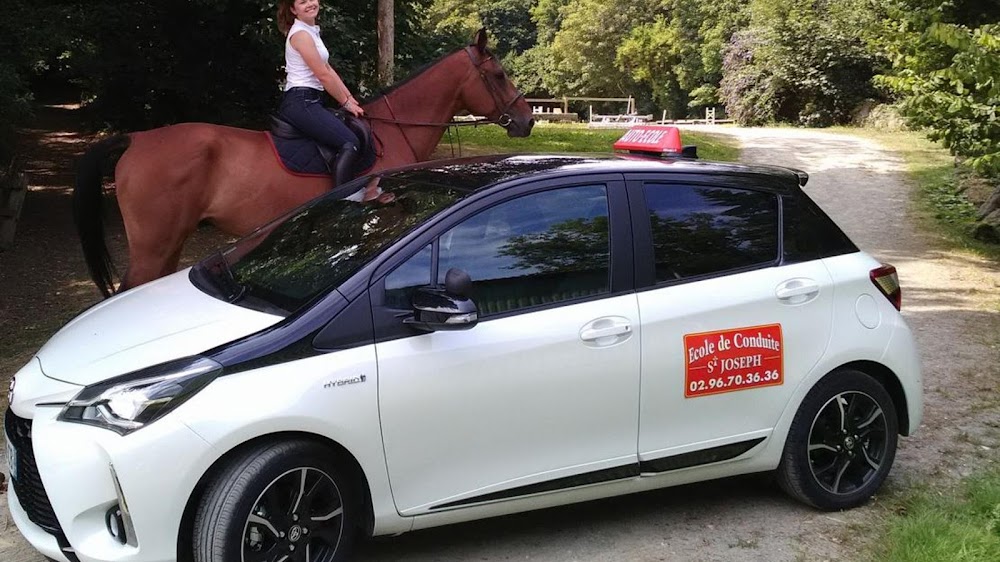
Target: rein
(452,123)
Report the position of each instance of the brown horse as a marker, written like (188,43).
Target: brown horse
(170,179)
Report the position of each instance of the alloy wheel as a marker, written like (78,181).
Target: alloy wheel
(847,442)
(299,517)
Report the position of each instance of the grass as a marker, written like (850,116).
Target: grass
(939,526)
(562,138)
(944,189)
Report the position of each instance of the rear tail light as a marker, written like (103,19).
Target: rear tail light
(887,281)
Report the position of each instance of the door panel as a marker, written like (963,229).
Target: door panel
(674,415)
(729,333)
(514,401)
(546,386)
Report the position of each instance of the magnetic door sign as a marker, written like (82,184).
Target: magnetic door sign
(735,359)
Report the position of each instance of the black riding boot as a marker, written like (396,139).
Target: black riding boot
(343,167)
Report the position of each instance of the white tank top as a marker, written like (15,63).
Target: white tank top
(298,73)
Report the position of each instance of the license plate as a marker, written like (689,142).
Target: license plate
(12,460)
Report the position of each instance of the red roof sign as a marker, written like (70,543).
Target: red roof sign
(656,139)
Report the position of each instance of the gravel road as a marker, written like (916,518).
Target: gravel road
(950,299)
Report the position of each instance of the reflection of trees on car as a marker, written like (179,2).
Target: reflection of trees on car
(569,246)
(733,228)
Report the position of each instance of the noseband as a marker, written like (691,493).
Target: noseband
(504,119)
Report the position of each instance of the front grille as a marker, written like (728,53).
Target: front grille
(28,486)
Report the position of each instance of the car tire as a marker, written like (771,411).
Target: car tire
(278,498)
(841,443)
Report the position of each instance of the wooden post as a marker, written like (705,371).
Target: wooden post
(13,188)
(386,31)
(565,105)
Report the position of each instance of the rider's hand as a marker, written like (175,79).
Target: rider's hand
(352,107)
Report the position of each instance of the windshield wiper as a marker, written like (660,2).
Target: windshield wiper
(218,266)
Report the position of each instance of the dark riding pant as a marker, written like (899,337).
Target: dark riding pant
(303,108)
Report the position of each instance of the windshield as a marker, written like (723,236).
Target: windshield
(295,259)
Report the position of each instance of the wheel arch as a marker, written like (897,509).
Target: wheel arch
(344,459)
(890,382)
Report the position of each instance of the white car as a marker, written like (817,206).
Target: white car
(509,333)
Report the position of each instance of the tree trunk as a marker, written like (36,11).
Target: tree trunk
(386,31)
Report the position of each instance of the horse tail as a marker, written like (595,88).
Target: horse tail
(88,208)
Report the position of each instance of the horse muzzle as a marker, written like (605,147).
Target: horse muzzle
(516,126)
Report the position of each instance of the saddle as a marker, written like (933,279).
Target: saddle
(302,154)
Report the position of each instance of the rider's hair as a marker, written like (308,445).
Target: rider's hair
(285,16)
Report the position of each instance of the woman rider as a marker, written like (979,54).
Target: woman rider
(308,75)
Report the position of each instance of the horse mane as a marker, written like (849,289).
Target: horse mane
(413,75)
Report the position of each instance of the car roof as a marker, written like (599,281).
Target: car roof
(478,172)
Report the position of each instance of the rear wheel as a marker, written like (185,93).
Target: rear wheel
(278,502)
(841,443)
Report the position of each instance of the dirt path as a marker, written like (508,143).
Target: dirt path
(950,299)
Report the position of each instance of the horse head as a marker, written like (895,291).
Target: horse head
(493,94)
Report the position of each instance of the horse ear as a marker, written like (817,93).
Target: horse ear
(480,40)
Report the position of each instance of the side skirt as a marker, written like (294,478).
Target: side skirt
(657,466)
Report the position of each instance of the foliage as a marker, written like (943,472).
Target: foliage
(529,69)
(748,87)
(948,75)
(31,47)
(803,61)
(585,47)
(678,53)
(510,25)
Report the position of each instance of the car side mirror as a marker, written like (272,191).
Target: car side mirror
(436,309)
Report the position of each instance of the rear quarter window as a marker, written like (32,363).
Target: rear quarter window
(809,233)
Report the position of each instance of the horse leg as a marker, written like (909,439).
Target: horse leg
(153,255)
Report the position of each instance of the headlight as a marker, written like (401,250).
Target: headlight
(127,403)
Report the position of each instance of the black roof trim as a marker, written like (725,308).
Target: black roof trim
(477,172)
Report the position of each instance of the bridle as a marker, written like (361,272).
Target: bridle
(504,119)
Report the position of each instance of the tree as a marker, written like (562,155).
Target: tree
(386,46)
(584,49)
(669,53)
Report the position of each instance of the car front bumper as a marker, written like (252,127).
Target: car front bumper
(66,486)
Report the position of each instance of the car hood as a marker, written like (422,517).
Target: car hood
(153,323)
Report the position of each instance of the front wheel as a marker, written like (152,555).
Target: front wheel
(841,443)
(278,502)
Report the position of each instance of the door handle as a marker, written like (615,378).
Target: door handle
(797,291)
(604,328)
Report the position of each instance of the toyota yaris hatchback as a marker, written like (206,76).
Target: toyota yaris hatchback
(509,333)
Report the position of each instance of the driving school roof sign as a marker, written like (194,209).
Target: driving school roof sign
(651,139)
